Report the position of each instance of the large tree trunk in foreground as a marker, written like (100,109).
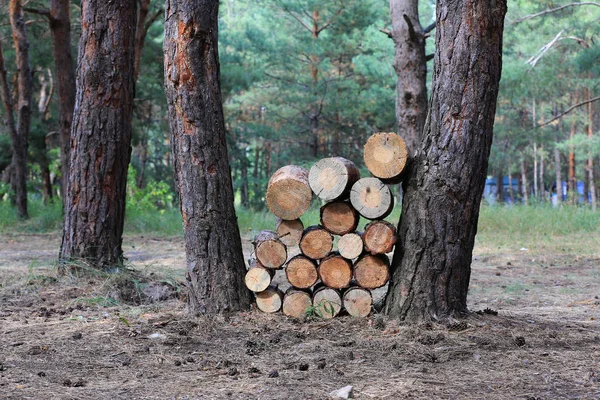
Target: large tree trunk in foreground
(411,67)
(101,134)
(432,263)
(24,105)
(215,264)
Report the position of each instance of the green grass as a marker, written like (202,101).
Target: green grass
(536,228)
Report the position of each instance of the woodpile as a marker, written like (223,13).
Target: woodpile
(326,280)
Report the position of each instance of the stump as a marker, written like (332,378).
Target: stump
(358,302)
(289,231)
(269,300)
(339,217)
(379,237)
(331,178)
(385,156)
(316,242)
(327,302)
(269,250)
(372,198)
(372,272)
(296,302)
(288,192)
(301,272)
(335,271)
(350,246)
(258,278)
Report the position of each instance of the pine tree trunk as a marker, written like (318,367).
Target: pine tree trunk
(101,132)
(60,31)
(24,106)
(410,65)
(432,262)
(215,264)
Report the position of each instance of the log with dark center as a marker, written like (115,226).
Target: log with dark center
(372,198)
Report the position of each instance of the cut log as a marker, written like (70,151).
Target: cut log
(289,231)
(339,217)
(385,155)
(288,192)
(372,198)
(296,302)
(316,242)
(372,272)
(379,237)
(327,302)
(301,272)
(331,178)
(335,271)
(269,250)
(358,302)
(350,246)
(258,278)
(269,300)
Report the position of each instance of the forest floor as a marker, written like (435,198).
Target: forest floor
(68,338)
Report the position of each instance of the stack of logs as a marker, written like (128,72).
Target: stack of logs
(323,280)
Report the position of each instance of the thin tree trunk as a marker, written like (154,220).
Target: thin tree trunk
(442,195)
(410,65)
(542,185)
(590,160)
(500,187)
(101,132)
(535,172)
(24,105)
(244,176)
(572,195)
(558,176)
(524,183)
(215,263)
(510,189)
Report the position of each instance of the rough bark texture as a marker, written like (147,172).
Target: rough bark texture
(432,263)
(24,105)
(60,31)
(101,135)
(411,67)
(215,264)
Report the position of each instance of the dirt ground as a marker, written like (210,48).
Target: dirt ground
(65,338)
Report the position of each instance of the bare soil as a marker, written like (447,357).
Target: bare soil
(64,337)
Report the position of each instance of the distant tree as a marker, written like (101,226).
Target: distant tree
(19,131)
(101,134)
(60,30)
(432,262)
(215,264)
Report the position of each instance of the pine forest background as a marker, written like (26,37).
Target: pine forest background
(303,80)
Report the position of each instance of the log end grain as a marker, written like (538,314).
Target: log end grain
(288,192)
(289,231)
(358,302)
(269,300)
(296,303)
(258,279)
(379,237)
(327,302)
(316,242)
(269,250)
(339,217)
(301,272)
(350,246)
(332,178)
(335,271)
(385,155)
(372,272)
(372,198)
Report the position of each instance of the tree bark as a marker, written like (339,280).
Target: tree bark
(410,65)
(24,106)
(432,263)
(215,264)
(101,135)
(60,31)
